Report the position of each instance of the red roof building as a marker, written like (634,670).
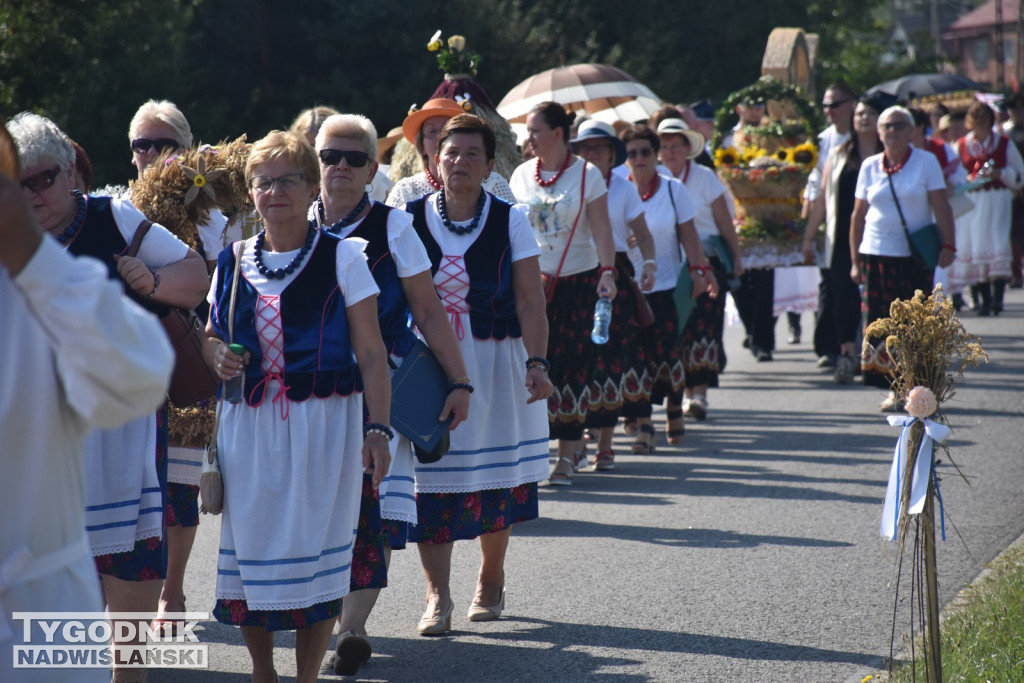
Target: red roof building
(973,40)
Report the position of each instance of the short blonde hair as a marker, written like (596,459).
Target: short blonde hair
(164,112)
(38,138)
(289,145)
(350,126)
(309,121)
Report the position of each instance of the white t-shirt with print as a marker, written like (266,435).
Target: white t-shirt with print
(883,231)
(553,210)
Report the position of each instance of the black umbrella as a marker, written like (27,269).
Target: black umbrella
(923,85)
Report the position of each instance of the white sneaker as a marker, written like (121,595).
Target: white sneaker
(699,407)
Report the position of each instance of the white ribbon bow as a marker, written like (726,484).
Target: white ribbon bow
(934,432)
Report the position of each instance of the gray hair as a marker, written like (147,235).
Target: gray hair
(897,109)
(38,138)
(352,126)
(164,112)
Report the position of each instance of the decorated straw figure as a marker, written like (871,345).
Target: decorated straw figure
(179,192)
(930,348)
(460,66)
(766,166)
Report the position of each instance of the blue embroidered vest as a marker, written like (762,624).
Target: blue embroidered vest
(318,358)
(100,238)
(491,297)
(392,306)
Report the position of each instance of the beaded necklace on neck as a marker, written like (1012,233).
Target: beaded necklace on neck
(434,182)
(348,220)
(558,174)
(651,190)
(69,232)
(281,273)
(898,167)
(442,208)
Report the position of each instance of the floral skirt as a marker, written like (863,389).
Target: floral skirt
(701,346)
(573,356)
(615,360)
(886,278)
(147,561)
(448,517)
(396,532)
(369,569)
(182,508)
(663,373)
(237,613)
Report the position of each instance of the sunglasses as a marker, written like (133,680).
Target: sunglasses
(42,180)
(833,105)
(354,158)
(642,152)
(145,145)
(264,183)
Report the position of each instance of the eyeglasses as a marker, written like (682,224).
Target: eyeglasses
(354,158)
(642,152)
(42,180)
(894,125)
(145,145)
(833,105)
(264,183)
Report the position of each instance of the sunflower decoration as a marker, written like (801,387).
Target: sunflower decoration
(805,154)
(726,156)
(751,153)
(781,154)
(178,192)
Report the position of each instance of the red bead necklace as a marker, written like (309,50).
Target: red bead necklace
(434,182)
(898,167)
(686,173)
(650,190)
(554,178)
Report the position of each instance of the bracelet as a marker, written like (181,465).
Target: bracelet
(460,380)
(377,428)
(698,269)
(608,269)
(950,247)
(156,283)
(460,385)
(650,262)
(538,362)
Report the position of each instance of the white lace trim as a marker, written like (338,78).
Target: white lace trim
(400,517)
(280,606)
(491,485)
(115,548)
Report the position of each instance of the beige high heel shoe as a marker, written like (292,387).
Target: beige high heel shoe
(478,612)
(436,624)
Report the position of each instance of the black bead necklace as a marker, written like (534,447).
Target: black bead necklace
(442,208)
(76,223)
(348,220)
(281,273)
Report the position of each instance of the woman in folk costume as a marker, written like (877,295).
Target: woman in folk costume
(292,453)
(125,467)
(347,148)
(484,260)
(567,205)
(983,234)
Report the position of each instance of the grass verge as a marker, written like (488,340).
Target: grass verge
(983,629)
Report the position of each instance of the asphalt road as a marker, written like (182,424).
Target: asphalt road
(749,553)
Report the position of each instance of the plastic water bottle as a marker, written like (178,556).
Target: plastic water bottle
(234,387)
(602,319)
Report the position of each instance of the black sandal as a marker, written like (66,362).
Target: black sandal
(677,431)
(644,446)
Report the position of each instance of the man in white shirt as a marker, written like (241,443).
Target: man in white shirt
(77,355)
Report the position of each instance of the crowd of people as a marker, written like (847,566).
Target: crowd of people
(340,270)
